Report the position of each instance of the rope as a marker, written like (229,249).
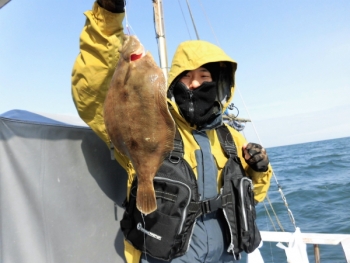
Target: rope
(274,212)
(194,24)
(268,214)
(290,214)
(183,16)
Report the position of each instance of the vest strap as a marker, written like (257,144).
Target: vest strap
(178,150)
(226,141)
(206,206)
(211,205)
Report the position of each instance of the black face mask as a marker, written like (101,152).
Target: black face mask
(197,106)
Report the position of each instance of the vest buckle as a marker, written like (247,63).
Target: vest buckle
(211,205)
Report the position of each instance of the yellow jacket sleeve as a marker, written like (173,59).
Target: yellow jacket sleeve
(93,69)
(261,180)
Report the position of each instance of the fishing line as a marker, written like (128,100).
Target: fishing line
(208,21)
(268,227)
(127,25)
(144,235)
(271,254)
(291,217)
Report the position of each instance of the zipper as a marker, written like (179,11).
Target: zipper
(189,241)
(242,201)
(111,148)
(139,227)
(231,246)
(191,106)
(188,201)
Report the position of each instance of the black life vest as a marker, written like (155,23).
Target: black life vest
(166,233)
(238,203)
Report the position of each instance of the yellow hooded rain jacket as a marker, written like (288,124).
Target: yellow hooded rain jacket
(100,39)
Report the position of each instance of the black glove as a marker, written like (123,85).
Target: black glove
(256,157)
(114,6)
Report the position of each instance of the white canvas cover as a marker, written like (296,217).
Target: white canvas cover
(58,186)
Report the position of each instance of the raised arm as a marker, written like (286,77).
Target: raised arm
(93,69)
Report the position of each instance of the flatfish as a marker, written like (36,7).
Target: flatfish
(137,118)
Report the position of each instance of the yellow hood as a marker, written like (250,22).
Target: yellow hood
(195,53)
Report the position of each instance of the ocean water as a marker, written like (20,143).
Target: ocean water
(315,179)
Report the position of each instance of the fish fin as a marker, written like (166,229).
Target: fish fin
(146,199)
(168,119)
(160,90)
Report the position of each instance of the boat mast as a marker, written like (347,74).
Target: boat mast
(160,35)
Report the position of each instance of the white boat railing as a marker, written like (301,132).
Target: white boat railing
(315,239)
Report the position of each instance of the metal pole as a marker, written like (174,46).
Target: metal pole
(160,34)
(317,253)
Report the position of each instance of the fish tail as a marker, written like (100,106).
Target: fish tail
(146,199)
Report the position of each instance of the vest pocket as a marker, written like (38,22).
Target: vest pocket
(161,233)
(239,209)
(155,234)
(250,235)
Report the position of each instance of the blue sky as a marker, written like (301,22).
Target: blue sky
(293,58)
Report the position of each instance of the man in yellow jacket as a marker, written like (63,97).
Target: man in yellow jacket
(198,68)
